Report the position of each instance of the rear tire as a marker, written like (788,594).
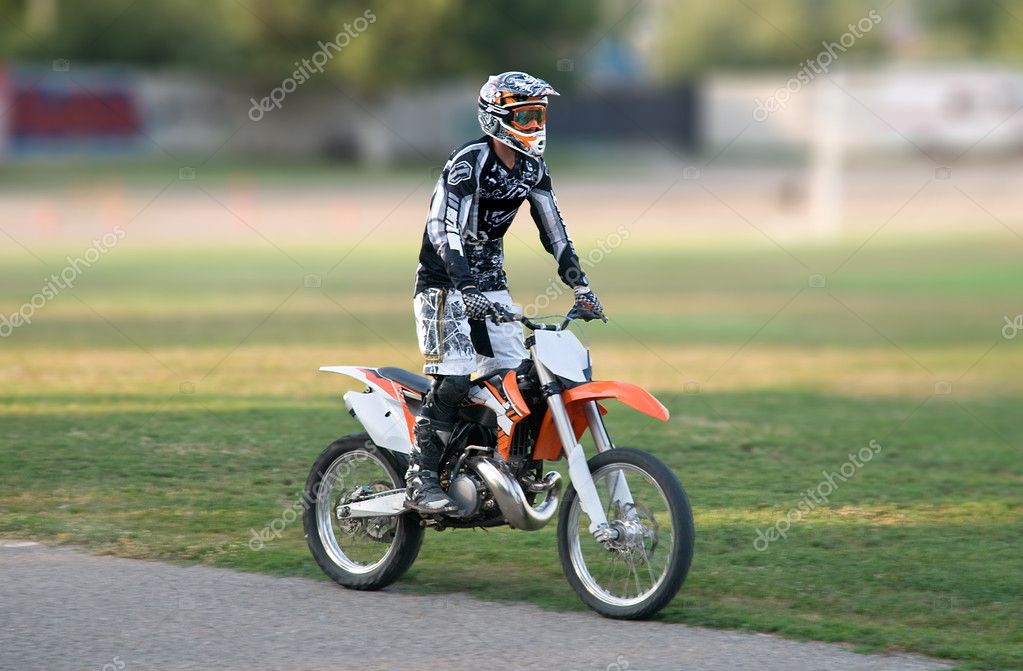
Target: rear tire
(408,534)
(680,552)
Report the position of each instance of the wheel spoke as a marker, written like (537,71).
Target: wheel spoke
(637,522)
(649,568)
(348,542)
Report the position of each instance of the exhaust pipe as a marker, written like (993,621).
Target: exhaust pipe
(512,501)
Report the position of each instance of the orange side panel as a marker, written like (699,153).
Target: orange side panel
(409,421)
(511,387)
(548,445)
(516,410)
(504,443)
(495,392)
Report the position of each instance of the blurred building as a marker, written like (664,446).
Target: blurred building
(65,110)
(941,109)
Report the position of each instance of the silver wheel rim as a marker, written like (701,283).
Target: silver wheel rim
(345,474)
(612,577)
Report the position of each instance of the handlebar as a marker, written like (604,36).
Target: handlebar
(535,326)
(503,314)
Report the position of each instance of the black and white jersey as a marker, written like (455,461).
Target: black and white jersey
(472,207)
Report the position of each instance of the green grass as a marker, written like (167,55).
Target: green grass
(187,417)
(947,293)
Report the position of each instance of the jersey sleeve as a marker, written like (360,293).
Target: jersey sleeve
(449,212)
(543,206)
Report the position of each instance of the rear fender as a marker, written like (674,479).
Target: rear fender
(381,409)
(548,444)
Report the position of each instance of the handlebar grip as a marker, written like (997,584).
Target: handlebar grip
(501,314)
(585,315)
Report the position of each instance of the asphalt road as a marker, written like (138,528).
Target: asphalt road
(63,609)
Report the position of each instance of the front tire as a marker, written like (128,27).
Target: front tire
(636,577)
(365,554)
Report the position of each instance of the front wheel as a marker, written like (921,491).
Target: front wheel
(638,573)
(367,552)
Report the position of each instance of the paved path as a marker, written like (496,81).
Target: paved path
(62,609)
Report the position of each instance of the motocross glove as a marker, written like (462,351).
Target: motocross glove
(477,306)
(586,303)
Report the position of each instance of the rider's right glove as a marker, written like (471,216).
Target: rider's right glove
(477,306)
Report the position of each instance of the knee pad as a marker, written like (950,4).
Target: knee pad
(446,394)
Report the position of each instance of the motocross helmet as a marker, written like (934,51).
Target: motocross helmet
(513,110)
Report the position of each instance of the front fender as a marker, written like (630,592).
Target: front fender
(548,444)
(632,395)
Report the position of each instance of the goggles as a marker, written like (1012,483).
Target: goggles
(528,118)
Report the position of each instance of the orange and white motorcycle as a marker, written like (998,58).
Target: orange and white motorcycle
(625,530)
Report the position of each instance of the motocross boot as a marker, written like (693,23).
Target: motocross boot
(424,491)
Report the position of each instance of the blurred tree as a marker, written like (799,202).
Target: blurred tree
(437,39)
(195,33)
(408,41)
(957,28)
(701,34)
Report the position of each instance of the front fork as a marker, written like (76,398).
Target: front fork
(620,488)
(578,470)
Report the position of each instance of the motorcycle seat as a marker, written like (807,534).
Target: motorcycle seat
(405,378)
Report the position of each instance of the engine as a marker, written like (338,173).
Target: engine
(468,492)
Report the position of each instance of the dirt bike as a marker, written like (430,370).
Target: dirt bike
(625,531)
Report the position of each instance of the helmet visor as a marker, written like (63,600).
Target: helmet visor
(529,118)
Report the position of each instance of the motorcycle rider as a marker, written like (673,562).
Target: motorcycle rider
(461,276)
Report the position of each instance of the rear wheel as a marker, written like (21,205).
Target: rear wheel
(360,553)
(638,573)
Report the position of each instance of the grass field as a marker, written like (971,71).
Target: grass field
(169,404)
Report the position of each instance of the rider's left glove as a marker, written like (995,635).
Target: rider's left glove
(587,303)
